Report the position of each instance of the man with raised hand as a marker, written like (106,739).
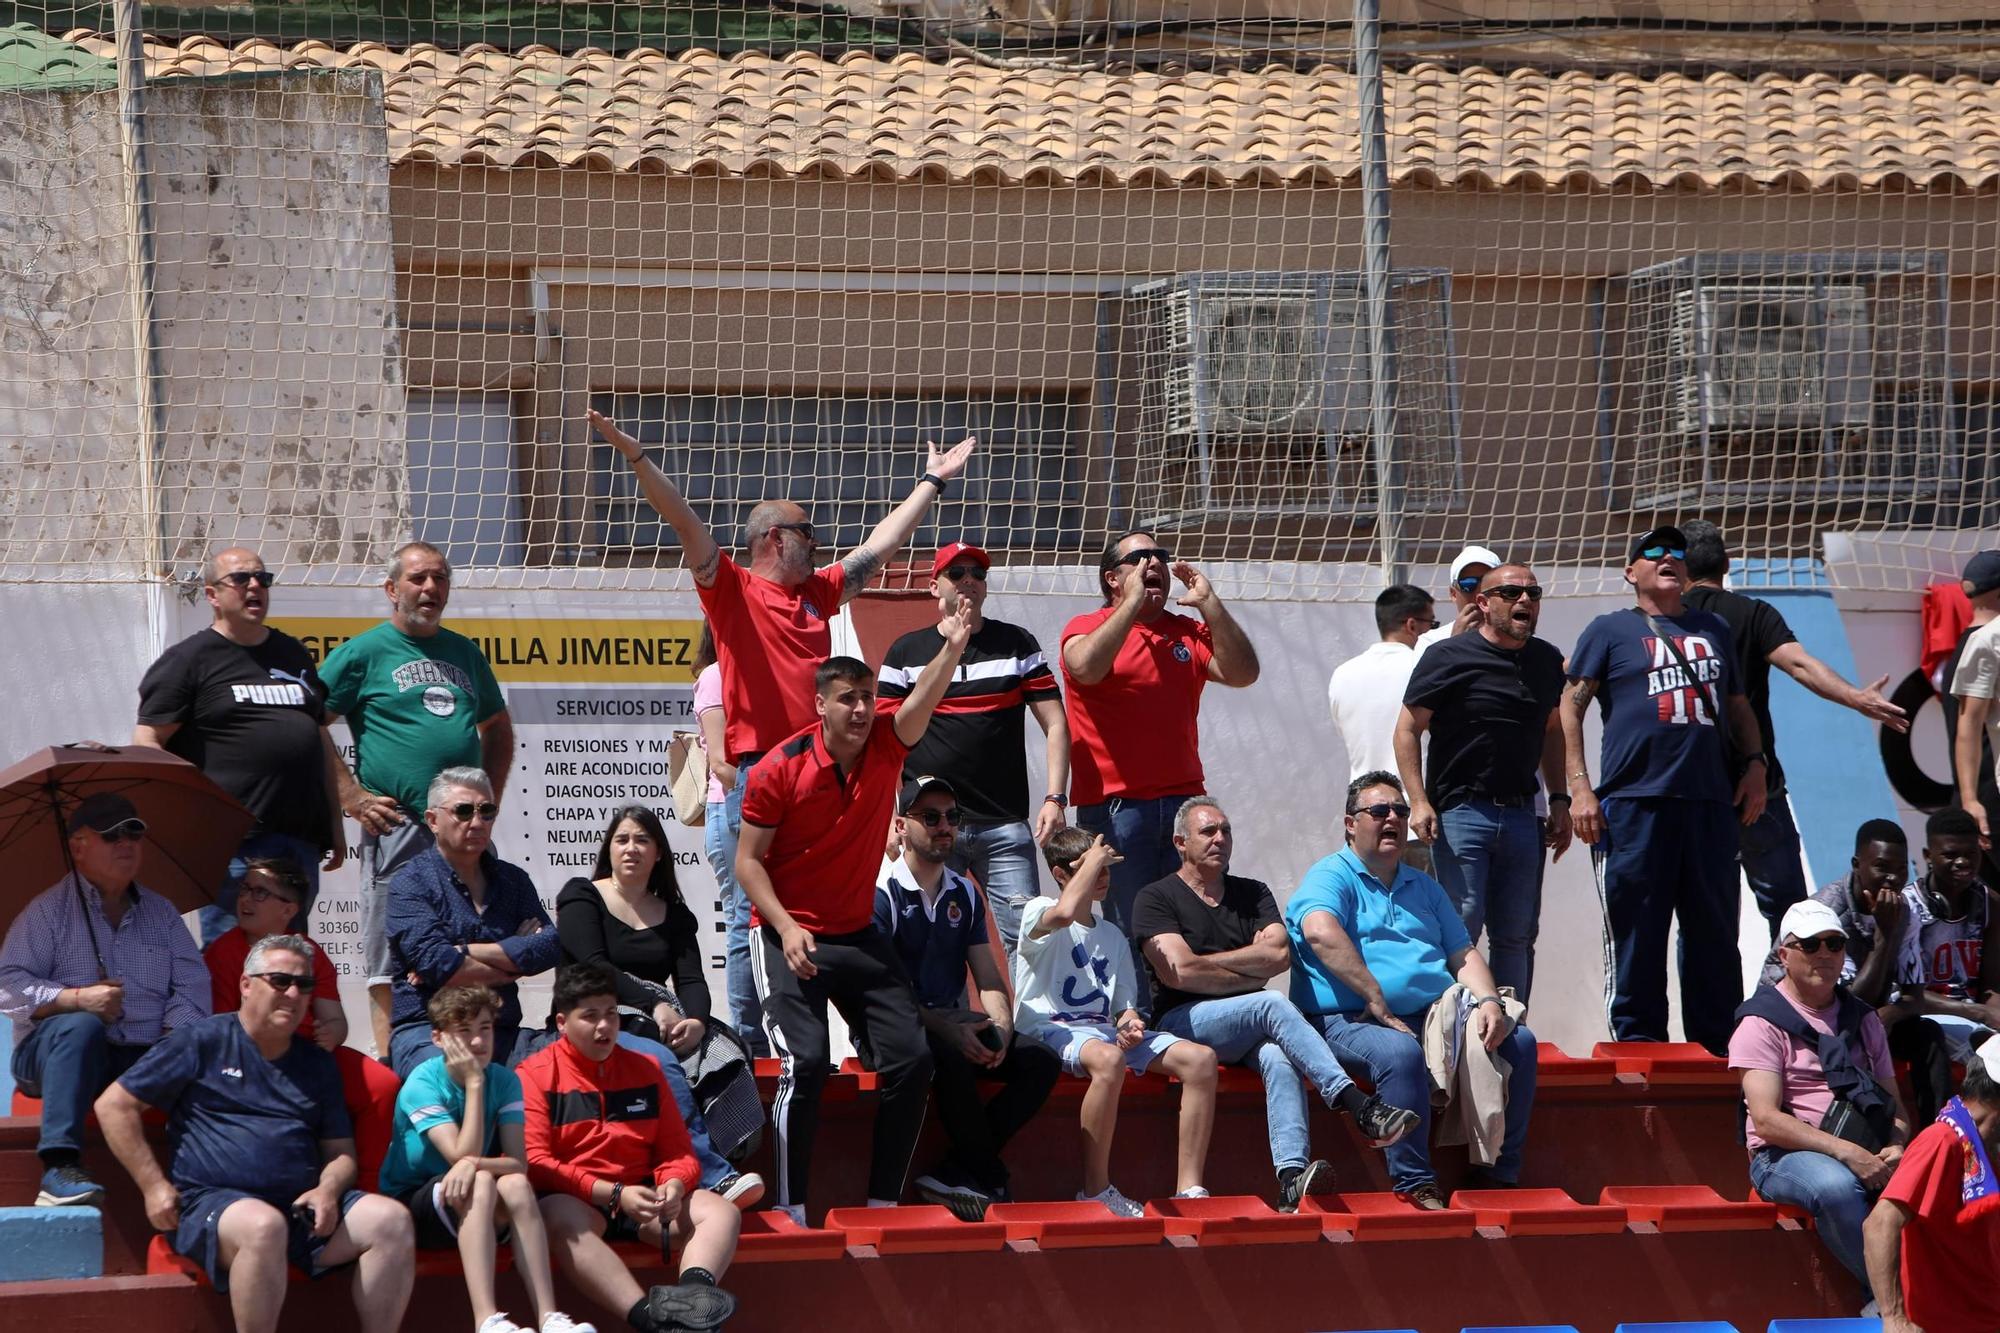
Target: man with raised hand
(1468,567)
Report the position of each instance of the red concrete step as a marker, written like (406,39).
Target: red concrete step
(1689,1208)
(1075,1224)
(1673,1064)
(1234,1219)
(924,1228)
(1386,1216)
(1538,1212)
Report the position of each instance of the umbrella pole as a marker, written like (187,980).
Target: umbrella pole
(76,880)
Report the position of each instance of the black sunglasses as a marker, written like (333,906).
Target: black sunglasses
(1663,553)
(284,981)
(958,573)
(1383,809)
(932,818)
(243,578)
(1831,943)
(465,810)
(1514,592)
(260,894)
(805,530)
(125,830)
(1141,556)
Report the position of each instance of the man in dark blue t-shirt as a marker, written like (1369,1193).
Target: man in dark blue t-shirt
(1664,816)
(261,1163)
(936,922)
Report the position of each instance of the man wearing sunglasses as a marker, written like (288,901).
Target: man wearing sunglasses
(460,916)
(1665,814)
(1763,640)
(1825,1123)
(93,971)
(1135,672)
(242,702)
(1487,699)
(1468,567)
(975,739)
(936,921)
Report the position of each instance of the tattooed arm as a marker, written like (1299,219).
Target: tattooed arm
(698,546)
(1585,818)
(890,534)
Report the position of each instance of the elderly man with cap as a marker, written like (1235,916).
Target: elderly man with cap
(1467,569)
(1974,684)
(1933,1239)
(93,972)
(975,738)
(1664,814)
(935,922)
(1825,1124)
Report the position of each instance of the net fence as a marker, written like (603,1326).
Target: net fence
(342,274)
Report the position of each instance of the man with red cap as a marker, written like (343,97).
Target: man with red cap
(975,740)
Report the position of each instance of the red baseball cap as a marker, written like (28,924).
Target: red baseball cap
(952,554)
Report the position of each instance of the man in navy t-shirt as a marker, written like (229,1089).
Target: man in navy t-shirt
(1682,766)
(261,1163)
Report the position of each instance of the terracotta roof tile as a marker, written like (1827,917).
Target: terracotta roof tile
(859,117)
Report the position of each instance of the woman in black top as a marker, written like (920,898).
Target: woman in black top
(630,916)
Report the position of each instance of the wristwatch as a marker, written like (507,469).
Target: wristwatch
(935,480)
(1060,801)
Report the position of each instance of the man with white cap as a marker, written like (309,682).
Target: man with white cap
(1467,568)
(1933,1238)
(1825,1123)
(1974,684)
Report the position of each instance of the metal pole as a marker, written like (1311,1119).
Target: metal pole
(1375,281)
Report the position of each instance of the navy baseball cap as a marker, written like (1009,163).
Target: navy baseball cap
(914,790)
(1982,573)
(1664,535)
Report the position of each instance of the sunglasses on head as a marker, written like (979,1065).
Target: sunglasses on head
(1831,943)
(1145,553)
(958,573)
(805,531)
(129,830)
(1383,809)
(1514,592)
(932,818)
(1663,553)
(284,981)
(243,578)
(465,810)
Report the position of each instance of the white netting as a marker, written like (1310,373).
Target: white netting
(1736,261)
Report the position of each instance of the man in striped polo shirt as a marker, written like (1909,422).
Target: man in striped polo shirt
(975,738)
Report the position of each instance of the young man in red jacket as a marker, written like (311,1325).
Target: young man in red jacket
(607,1148)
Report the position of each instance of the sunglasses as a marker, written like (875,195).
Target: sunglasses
(260,894)
(1383,809)
(465,810)
(1431,623)
(932,818)
(1514,592)
(1470,583)
(284,981)
(1144,554)
(805,531)
(1831,943)
(959,573)
(243,578)
(130,830)
(1663,553)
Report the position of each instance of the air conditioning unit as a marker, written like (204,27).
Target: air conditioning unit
(1779,378)
(1254,395)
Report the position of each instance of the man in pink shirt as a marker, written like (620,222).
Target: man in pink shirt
(1826,1124)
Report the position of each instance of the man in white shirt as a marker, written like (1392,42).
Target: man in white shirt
(1472,564)
(1366,692)
(1976,682)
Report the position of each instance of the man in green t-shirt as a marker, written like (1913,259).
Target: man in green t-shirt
(418,699)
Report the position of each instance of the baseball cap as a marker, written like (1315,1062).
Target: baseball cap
(950,555)
(915,788)
(1982,573)
(1803,920)
(1474,555)
(1988,1052)
(102,811)
(1664,535)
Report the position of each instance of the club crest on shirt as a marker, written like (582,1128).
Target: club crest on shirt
(953,913)
(1182,654)
(440,702)
(806,605)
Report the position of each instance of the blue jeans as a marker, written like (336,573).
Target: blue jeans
(1001,857)
(216,919)
(1770,855)
(1143,833)
(1826,1189)
(715,1168)
(1489,859)
(719,831)
(67,1060)
(1394,1062)
(1265,1027)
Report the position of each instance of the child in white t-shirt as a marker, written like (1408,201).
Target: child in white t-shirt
(1074,988)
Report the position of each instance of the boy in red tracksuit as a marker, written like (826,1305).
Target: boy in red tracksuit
(607,1147)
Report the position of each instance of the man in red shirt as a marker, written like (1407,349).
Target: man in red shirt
(1134,673)
(1933,1241)
(268,897)
(815,816)
(612,1160)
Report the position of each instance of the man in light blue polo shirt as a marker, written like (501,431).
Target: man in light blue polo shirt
(1374,945)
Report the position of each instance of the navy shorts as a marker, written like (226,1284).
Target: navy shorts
(198,1235)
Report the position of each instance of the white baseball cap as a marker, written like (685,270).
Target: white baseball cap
(1806,919)
(1989,1055)
(1474,555)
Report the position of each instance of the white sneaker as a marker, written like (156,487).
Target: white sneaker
(1119,1205)
(498,1322)
(743,1189)
(558,1322)
(1192,1192)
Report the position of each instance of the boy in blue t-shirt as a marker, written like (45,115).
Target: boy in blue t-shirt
(458,1161)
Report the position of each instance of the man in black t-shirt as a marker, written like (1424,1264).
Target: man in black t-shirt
(1488,699)
(1212,940)
(241,701)
(975,737)
(1762,639)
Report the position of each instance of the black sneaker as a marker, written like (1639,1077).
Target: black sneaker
(692,1306)
(1301,1181)
(1382,1124)
(967,1202)
(68,1187)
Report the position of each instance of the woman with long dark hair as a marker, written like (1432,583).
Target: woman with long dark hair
(629,916)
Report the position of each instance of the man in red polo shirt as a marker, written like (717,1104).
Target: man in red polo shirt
(814,818)
(1134,673)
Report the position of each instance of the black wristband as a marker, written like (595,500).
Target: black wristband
(1057,799)
(935,480)
(1559,798)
